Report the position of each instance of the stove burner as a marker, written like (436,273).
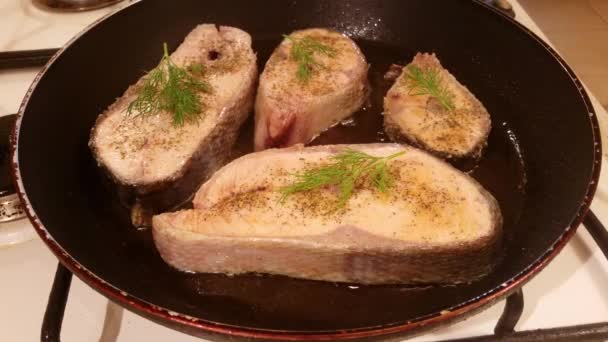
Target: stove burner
(10,206)
(73,5)
(6,124)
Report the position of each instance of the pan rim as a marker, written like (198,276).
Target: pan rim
(451,315)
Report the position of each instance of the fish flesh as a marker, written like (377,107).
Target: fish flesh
(412,115)
(434,225)
(289,111)
(163,164)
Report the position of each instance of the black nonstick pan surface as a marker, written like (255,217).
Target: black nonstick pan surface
(541,163)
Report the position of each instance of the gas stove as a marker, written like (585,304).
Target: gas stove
(570,291)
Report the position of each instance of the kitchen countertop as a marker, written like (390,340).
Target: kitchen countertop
(573,280)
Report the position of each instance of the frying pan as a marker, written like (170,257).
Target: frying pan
(542,163)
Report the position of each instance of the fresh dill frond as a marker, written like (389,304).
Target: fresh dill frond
(347,170)
(173,89)
(303,50)
(428,81)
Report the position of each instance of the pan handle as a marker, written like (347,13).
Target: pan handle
(25,59)
(597,231)
(55,308)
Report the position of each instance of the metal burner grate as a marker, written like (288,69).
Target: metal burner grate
(503,331)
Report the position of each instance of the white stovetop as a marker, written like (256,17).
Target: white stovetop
(571,290)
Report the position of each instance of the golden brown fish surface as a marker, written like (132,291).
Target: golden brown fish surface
(414,117)
(435,225)
(164,164)
(289,111)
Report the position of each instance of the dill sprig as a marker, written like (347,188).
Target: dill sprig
(173,89)
(303,50)
(347,170)
(428,81)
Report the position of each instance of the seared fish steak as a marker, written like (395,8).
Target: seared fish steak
(292,108)
(160,163)
(434,225)
(429,108)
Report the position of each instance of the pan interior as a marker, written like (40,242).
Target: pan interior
(538,162)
